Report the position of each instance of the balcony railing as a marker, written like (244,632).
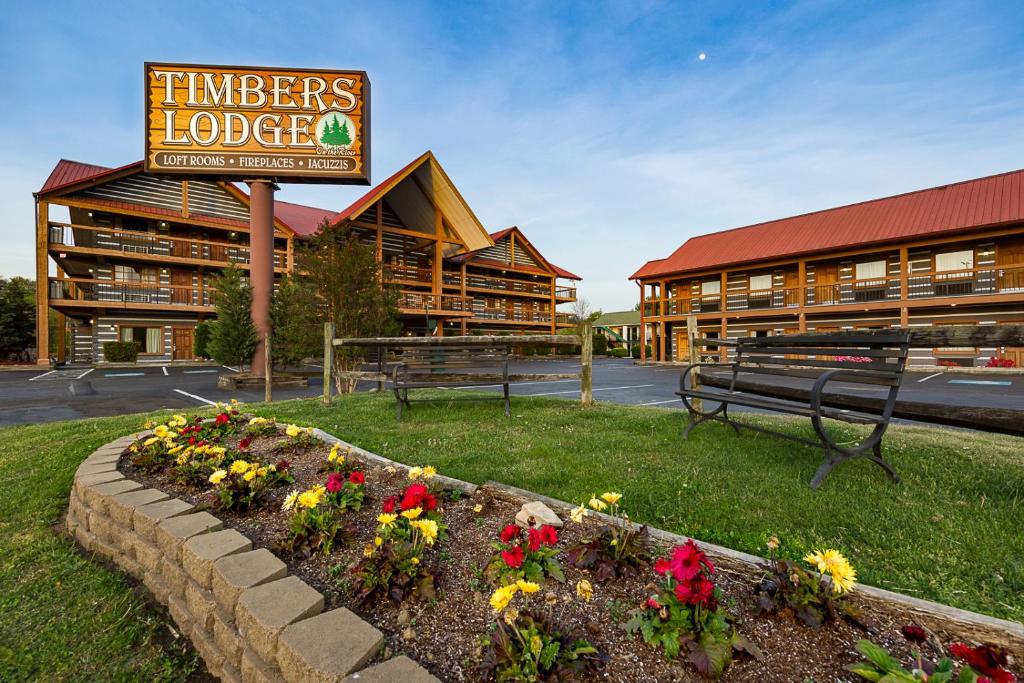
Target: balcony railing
(522,315)
(134,242)
(975,281)
(504,284)
(420,301)
(562,292)
(565,319)
(402,273)
(116,291)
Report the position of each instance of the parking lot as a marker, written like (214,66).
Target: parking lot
(43,396)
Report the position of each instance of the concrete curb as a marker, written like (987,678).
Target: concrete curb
(246,617)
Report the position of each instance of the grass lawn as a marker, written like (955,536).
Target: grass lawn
(952,532)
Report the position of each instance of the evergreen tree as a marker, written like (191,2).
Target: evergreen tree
(336,133)
(343,134)
(297,325)
(233,339)
(346,276)
(17,316)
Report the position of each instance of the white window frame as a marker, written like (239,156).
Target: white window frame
(766,277)
(880,265)
(710,287)
(953,261)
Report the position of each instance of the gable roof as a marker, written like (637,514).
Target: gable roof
(618,318)
(431,178)
(971,204)
(303,220)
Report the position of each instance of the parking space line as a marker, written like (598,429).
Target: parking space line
(85,373)
(164,368)
(230,368)
(576,391)
(925,379)
(984,382)
(516,384)
(197,398)
(658,403)
(196,372)
(123,374)
(31,379)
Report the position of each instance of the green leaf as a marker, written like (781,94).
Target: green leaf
(967,675)
(710,655)
(548,654)
(741,644)
(878,656)
(555,570)
(865,670)
(898,677)
(670,641)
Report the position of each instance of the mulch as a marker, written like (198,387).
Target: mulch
(445,635)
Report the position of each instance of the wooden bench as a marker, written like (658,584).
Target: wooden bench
(870,358)
(447,367)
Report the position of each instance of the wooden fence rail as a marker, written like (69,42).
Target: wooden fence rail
(382,344)
(998,420)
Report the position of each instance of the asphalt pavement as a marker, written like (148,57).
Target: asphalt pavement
(29,396)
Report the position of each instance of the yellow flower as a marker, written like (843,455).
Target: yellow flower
(161,430)
(429,472)
(150,441)
(478,508)
(182,459)
(584,591)
(148,424)
(386,519)
(577,514)
(202,449)
(258,421)
(527,586)
(378,541)
(176,450)
(536,645)
(309,499)
(611,498)
(502,596)
(428,528)
(239,466)
(368,550)
(833,563)
(216,451)
(250,475)
(415,472)
(511,614)
(598,504)
(773,543)
(335,454)
(413,513)
(293,430)
(289,502)
(415,560)
(261,472)
(218,476)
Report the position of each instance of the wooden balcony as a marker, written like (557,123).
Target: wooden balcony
(420,303)
(485,283)
(89,293)
(147,246)
(403,274)
(565,293)
(525,316)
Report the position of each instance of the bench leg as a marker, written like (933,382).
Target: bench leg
(725,414)
(831,460)
(877,458)
(508,405)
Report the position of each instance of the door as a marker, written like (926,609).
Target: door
(182,338)
(788,331)
(1010,266)
(181,291)
(1013,353)
(682,345)
(826,289)
(791,296)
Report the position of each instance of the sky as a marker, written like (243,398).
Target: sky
(597,128)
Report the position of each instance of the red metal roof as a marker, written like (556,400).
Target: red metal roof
(358,206)
(68,172)
(303,220)
(967,205)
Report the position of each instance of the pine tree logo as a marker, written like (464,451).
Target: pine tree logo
(335,130)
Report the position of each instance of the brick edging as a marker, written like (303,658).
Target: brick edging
(246,616)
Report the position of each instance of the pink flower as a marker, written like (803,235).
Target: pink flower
(687,561)
(653,604)
(661,566)
(334,482)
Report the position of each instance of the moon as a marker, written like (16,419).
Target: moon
(702,56)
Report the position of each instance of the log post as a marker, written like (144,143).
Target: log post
(328,359)
(587,363)
(694,357)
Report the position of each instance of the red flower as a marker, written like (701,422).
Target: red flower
(699,592)
(914,634)
(334,482)
(191,441)
(513,558)
(244,443)
(534,539)
(687,561)
(389,504)
(357,477)
(661,565)
(548,535)
(509,533)
(282,465)
(223,418)
(429,502)
(653,604)
(413,497)
(987,660)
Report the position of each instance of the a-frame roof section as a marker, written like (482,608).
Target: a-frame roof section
(414,191)
(207,203)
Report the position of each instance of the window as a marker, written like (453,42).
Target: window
(758,282)
(711,287)
(954,260)
(870,270)
(151,339)
(130,274)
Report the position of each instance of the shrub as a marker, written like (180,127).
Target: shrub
(684,613)
(121,352)
(994,362)
(529,556)
(201,340)
(618,549)
(634,350)
(788,587)
(313,526)
(243,485)
(299,438)
(600,344)
(617,353)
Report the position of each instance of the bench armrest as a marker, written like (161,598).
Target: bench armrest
(824,378)
(687,371)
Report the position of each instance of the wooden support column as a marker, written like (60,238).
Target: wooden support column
(662,300)
(661,340)
(289,264)
(328,360)
(642,330)
(904,316)
(554,303)
(723,302)
(904,274)
(42,284)
(380,231)
(801,277)
(462,293)
(801,322)
(723,334)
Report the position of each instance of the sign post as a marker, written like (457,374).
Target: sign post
(259,125)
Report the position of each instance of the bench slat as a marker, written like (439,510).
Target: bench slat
(825,364)
(823,351)
(753,401)
(887,379)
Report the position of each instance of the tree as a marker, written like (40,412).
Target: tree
(346,276)
(335,133)
(201,340)
(17,316)
(233,339)
(343,135)
(297,326)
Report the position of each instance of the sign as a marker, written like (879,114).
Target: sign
(303,125)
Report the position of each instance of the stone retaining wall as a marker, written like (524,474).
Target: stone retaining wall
(248,619)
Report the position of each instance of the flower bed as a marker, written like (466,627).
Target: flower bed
(435,565)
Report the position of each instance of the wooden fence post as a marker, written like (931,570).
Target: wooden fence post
(328,360)
(268,368)
(587,363)
(694,355)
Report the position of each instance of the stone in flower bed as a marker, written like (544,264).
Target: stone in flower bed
(451,582)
